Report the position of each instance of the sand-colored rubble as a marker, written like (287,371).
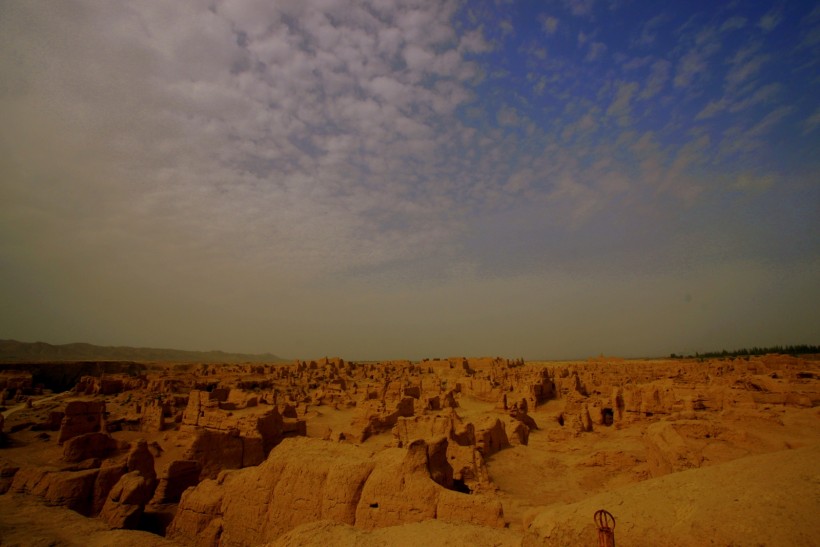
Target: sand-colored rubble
(487,451)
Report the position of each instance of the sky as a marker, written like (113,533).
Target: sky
(406,179)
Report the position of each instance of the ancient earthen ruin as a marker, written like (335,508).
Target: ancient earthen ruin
(457,451)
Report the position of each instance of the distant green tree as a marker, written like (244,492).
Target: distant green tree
(801,349)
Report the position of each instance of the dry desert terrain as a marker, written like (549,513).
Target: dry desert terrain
(458,451)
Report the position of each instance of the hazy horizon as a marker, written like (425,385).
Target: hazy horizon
(288,358)
(411,179)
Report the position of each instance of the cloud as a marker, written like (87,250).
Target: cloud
(736,103)
(769,21)
(596,51)
(810,38)
(658,77)
(286,131)
(620,105)
(693,64)
(769,121)
(733,23)
(812,122)
(744,65)
(712,108)
(752,182)
(634,63)
(549,24)
(584,126)
(533,49)
(746,139)
(580,7)
(763,94)
(506,27)
(810,30)
(677,180)
(649,30)
(508,116)
(248,171)
(741,88)
(474,42)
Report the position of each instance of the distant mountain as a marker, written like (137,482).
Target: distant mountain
(20,352)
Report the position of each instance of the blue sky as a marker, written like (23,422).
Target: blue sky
(383,179)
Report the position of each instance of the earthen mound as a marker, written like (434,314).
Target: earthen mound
(306,480)
(742,502)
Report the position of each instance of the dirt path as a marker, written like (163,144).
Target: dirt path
(22,406)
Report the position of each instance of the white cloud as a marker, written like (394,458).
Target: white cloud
(763,94)
(582,127)
(745,139)
(474,42)
(689,67)
(733,23)
(250,160)
(596,51)
(658,77)
(812,122)
(633,63)
(508,116)
(580,7)
(540,85)
(678,179)
(769,121)
(810,38)
(549,24)
(620,105)
(649,31)
(714,107)
(745,65)
(734,103)
(768,22)
(753,182)
(694,63)
(520,181)
(276,125)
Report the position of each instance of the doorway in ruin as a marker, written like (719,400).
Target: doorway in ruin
(459,486)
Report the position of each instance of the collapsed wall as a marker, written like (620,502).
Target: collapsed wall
(214,421)
(305,480)
(222,440)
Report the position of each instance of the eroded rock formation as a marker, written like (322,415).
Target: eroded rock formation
(248,454)
(305,480)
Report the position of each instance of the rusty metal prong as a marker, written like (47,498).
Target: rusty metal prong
(604,519)
(606,528)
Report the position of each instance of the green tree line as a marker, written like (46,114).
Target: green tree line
(799,349)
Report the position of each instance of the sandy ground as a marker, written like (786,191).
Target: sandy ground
(770,499)
(556,467)
(37,404)
(555,482)
(26,522)
(560,468)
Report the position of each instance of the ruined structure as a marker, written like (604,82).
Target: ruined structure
(228,455)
